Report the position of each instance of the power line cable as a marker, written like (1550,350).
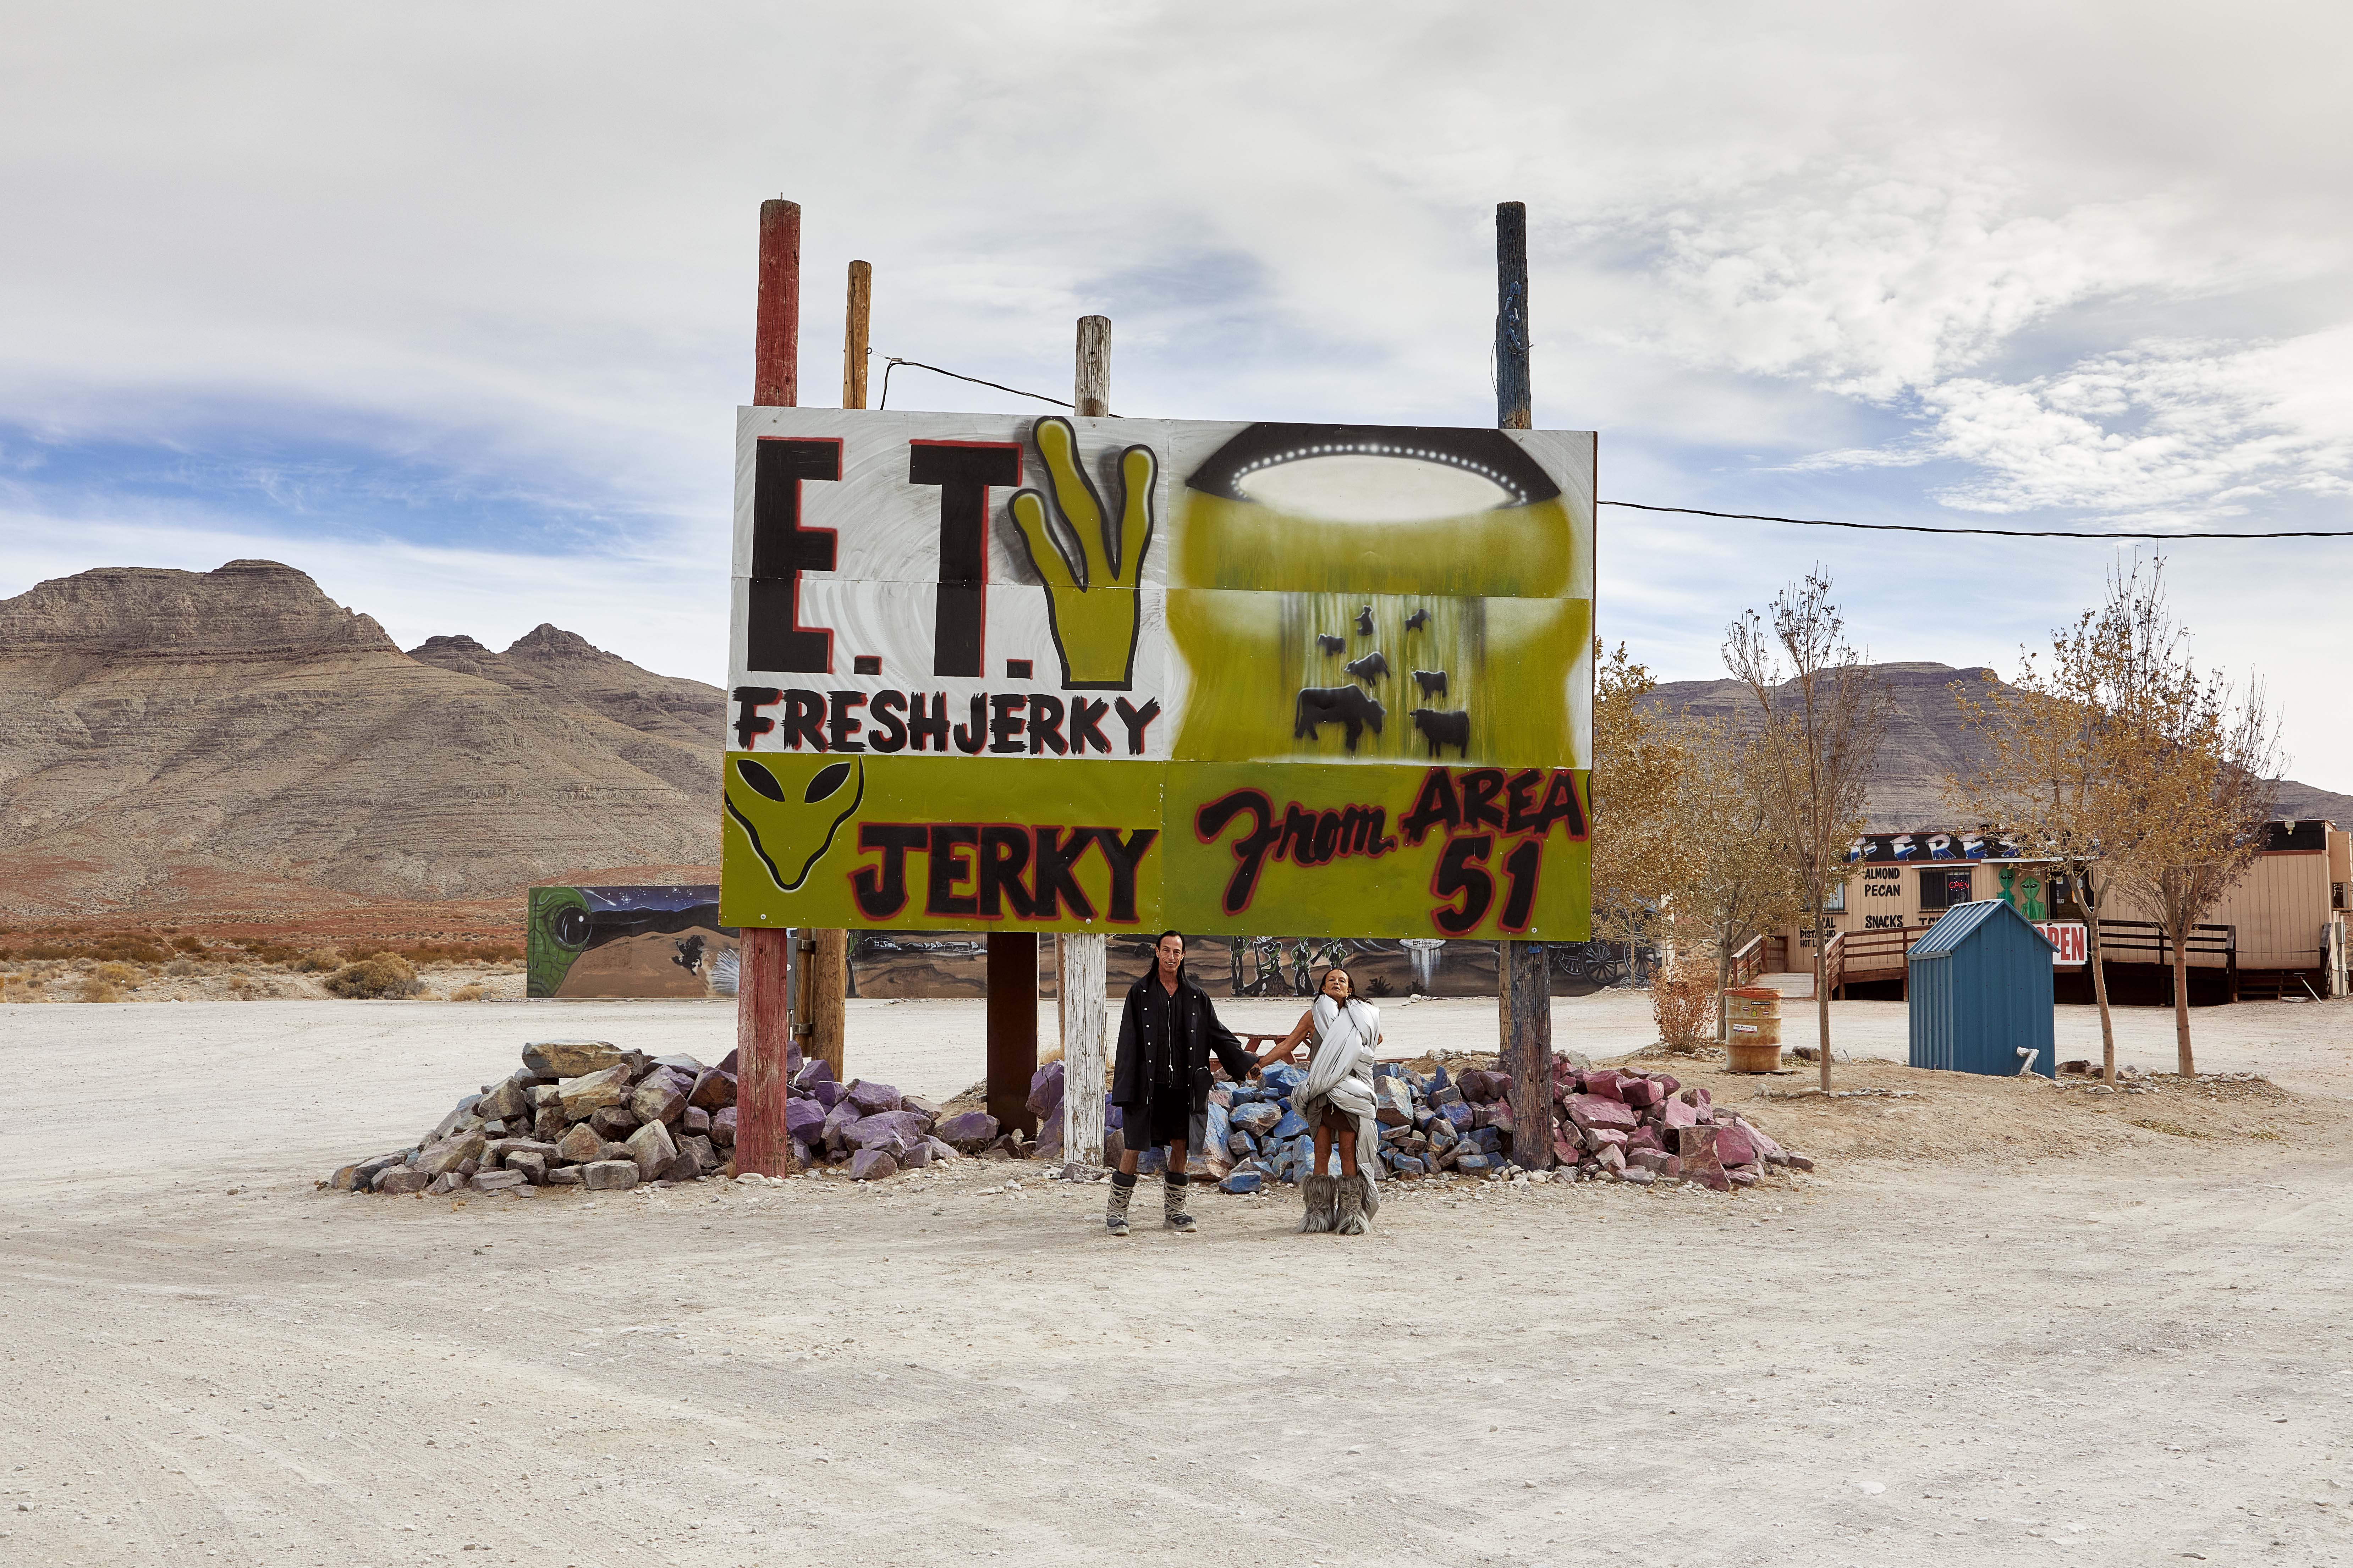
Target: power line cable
(889,364)
(1997,533)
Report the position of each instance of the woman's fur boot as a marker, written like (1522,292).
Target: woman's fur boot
(1321,1197)
(1122,1188)
(1172,1201)
(1351,1221)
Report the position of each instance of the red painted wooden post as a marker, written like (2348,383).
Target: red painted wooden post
(763,1001)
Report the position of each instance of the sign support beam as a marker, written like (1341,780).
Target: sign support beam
(1080,957)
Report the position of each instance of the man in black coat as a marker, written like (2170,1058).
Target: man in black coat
(1161,1082)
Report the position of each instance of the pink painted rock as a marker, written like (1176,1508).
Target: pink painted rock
(1766,1148)
(1642,1092)
(1565,1154)
(1604,1084)
(1600,1138)
(1644,1138)
(1676,1113)
(1601,1110)
(1697,1099)
(1735,1147)
(1693,1142)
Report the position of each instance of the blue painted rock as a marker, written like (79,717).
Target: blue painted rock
(1240,1145)
(1282,1078)
(1438,1078)
(1241,1182)
(1257,1118)
(1291,1125)
(1476,1165)
(1407,1165)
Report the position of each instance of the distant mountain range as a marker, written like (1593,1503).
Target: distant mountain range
(234,738)
(1925,741)
(198,741)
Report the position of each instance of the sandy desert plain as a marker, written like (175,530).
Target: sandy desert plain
(2002,1323)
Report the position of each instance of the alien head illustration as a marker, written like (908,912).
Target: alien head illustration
(791,829)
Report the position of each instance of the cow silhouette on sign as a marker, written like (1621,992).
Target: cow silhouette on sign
(1369,668)
(1321,705)
(1432,681)
(1444,728)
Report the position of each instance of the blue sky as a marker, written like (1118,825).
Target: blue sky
(450,306)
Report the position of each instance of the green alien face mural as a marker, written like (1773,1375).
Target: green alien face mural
(788,829)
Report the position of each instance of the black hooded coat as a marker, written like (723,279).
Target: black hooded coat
(1198,1035)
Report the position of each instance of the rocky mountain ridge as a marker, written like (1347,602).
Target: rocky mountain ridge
(177,737)
(1927,742)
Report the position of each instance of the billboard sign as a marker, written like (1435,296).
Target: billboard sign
(1050,673)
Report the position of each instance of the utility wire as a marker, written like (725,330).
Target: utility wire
(2000,532)
(889,364)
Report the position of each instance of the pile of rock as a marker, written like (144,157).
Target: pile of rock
(1632,1126)
(580,1113)
(876,1131)
(1645,1127)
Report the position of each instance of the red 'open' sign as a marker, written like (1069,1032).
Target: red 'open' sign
(2067,936)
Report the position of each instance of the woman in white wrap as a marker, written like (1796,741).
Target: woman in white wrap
(1336,1102)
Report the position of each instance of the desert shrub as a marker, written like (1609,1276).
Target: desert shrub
(187,944)
(1683,1002)
(320,958)
(117,973)
(136,946)
(93,989)
(183,967)
(473,991)
(379,975)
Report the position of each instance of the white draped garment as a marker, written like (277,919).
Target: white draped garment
(1340,1074)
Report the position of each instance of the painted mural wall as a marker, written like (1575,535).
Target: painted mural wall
(601,942)
(1001,673)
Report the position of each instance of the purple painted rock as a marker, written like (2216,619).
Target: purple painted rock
(893,1132)
(1046,1091)
(1501,1084)
(939,1150)
(874,1098)
(920,1106)
(792,1062)
(694,1120)
(803,1156)
(804,1119)
(969,1132)
(714,1090)
(825,1091)
(706,1154)
(1457,1115)
(722,1127)
(812,1072)
(1602,1110)
(917,1157)
(1679,1113)
(871,1165)
(844,1115)
(1048,1145)
(1733,1146)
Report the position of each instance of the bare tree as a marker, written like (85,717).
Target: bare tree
(2191,764)
(1738,882)
(1640,851)
(1813,756)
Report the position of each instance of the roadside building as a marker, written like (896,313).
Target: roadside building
(2279,932)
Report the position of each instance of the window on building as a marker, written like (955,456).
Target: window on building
(1836,902)
(1942,886)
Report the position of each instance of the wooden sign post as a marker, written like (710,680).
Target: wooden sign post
(763,1003)
(1524,975)
(1082,958)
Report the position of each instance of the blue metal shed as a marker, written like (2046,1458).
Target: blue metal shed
(1980,992)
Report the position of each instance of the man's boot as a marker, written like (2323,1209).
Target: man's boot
(1171,1202)
(1322,1198)
(1123,1187)
(1351,1221)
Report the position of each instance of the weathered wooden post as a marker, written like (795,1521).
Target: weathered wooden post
(764,1001)
(1081,956)
(1523,976)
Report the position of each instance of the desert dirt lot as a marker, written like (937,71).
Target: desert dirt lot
(1941,1347)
